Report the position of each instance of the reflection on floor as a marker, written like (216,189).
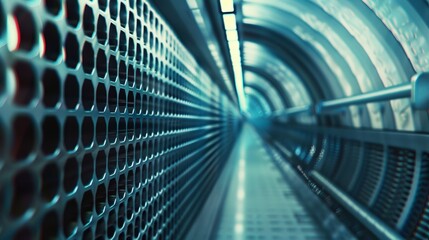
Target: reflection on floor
(259,203)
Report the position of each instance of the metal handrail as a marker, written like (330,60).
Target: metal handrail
(375,225)
(416,91)
(397,92)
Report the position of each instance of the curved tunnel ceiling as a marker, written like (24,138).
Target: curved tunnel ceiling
(259,59)
(355,47)
(256,82)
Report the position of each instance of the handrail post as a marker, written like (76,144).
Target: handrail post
(420,91)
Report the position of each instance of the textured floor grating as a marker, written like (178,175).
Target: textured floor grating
(259,203)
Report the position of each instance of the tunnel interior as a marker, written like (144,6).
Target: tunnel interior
(214,119)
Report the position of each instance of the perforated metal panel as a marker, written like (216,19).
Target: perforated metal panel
(108,127)
(397,184)
(418,221)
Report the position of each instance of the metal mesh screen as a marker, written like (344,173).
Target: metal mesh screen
(108,127)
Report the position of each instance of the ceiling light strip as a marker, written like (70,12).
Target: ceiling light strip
(231,32)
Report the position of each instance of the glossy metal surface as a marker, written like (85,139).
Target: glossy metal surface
(119,119)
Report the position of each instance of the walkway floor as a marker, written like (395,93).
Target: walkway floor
(259,203)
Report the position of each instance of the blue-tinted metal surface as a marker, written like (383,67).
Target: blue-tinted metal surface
(117,118)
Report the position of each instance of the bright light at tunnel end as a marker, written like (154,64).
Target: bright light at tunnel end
(231,32)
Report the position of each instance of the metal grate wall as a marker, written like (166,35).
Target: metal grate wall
(108,127)
(386,173)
